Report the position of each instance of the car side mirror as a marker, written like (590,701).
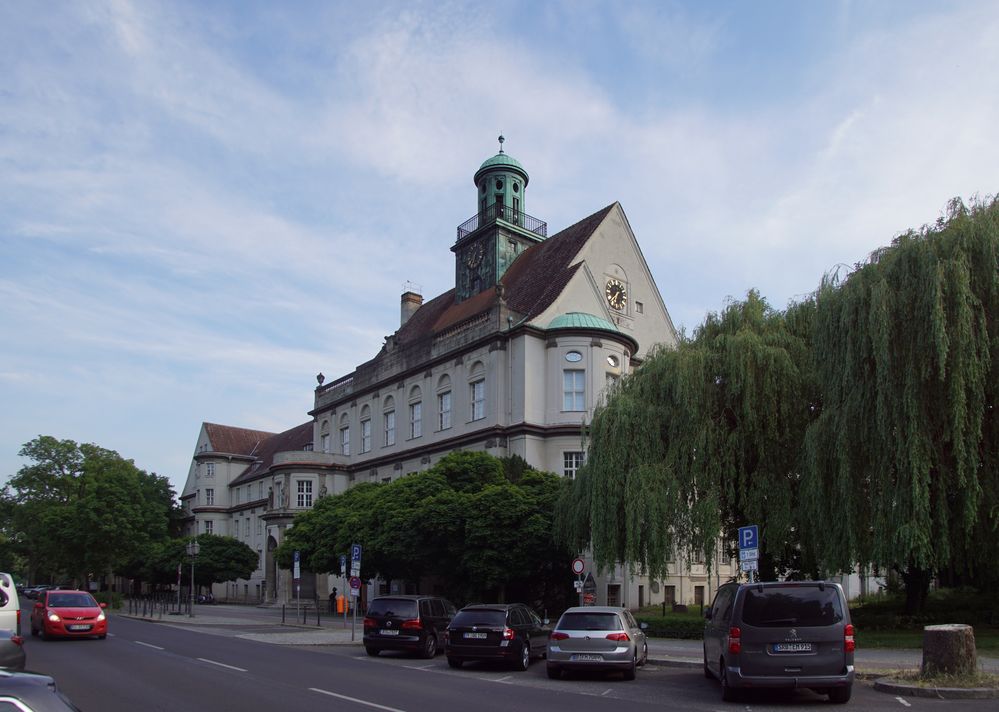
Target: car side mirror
(102,604)
(39,605)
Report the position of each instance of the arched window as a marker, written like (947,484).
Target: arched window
(365,429)
(444,402)
(388,420)
(415,412)
(344,434)
(477,391)
(324,436)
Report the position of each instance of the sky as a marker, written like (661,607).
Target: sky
(205,204)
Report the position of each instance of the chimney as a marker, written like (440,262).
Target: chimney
(411,301)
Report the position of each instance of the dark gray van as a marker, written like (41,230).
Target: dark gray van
(780,634)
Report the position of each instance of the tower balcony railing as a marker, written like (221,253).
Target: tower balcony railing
(498,211)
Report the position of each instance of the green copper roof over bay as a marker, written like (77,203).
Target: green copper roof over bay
(581,320)
(501,161)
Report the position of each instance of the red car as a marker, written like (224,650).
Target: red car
(71,614)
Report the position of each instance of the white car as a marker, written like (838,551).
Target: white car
(597,638)
(10,605)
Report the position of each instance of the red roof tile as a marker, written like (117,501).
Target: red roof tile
(289,441)
(236,441)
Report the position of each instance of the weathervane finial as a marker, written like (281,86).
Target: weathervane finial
(501,140)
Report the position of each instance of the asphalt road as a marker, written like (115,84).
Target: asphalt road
(155,666)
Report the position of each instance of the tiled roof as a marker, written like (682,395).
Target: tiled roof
(236,441)
(531,284)
(290,440)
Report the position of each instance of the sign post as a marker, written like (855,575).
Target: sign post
(355,583)
(749,550)
(297,575)
(343,576)
(578,566)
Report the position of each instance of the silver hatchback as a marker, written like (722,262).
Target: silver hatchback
(597,638)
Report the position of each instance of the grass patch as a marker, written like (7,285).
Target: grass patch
(979,679)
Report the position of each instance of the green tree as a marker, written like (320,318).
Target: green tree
(222,558)
(82,510)
(902,461)
(702,439)
(462,522)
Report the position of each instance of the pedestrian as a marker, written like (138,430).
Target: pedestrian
(333,600)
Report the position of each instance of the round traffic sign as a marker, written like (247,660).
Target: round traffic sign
(578,566)
(355,582)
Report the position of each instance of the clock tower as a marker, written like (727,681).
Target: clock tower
(490,241)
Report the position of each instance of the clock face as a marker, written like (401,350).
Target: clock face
(616,294)
(473,258)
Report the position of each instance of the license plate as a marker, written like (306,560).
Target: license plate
(587,658)
(79,627)
(792,647)
(477,636)
(390,632)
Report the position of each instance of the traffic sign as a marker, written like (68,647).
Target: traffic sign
(297,574)
(355,586)
(749,554)
(749,565)
(578,566)
(355,553)
(749,537)
(343,564)
(578,585)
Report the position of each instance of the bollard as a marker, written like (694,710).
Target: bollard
(318,624)
(282,614)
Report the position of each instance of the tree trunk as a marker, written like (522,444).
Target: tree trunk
(949,650)
(917,586)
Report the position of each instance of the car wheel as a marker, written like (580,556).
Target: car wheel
(554,672)
(728,692)
(629,672)
(840,695)
(523,660)
(645,655)
(455,662)
(429,645)
(34,631)
(373,652)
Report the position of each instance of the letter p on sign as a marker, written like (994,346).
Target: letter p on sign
(749,537)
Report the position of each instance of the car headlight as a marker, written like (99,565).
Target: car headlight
(100,616)
(54,617)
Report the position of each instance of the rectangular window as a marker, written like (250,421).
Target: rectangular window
(260,490)
(366,435)
(210,469)
(326,442)
(209,496)
(345,441)
(209,526)
(246,528)
(477,392)
(260,527)
(390,428)
(571,462)
(639,307)
(573,389)
(444,411)
(305,493)
(235,496)
(416,419)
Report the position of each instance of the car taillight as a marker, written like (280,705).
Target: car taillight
(370,623)
(17,640)
(849,644)
(412,624)
(622,637)
(734,641)
(558,636)
(508,634)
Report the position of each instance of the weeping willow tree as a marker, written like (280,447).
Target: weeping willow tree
(702,439)
(901,463)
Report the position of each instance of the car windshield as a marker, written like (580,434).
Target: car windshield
(394,607)
(479,617)
(792,606)
(589,621)
(71,600)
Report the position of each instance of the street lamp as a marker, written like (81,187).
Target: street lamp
(192,551)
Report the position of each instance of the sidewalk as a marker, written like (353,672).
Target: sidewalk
(332,631)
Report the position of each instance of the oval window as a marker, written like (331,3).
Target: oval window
(613,361)
(573,357)
(516,187)
(499,185)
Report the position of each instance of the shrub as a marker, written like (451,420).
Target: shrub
(113,600)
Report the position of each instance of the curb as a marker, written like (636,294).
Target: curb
(895,687)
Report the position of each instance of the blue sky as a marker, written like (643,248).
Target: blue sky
(204,204)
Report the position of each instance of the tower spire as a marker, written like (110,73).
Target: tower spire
(501,140)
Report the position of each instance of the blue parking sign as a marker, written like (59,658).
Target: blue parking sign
(749,537)
(355,552)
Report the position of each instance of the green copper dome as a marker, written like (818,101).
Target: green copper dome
(501,162)
(581,320)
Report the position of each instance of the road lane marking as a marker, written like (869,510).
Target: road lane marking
(903,701)
(354,699)
(148,645)
(419,667)
(606,692)
(231,667)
